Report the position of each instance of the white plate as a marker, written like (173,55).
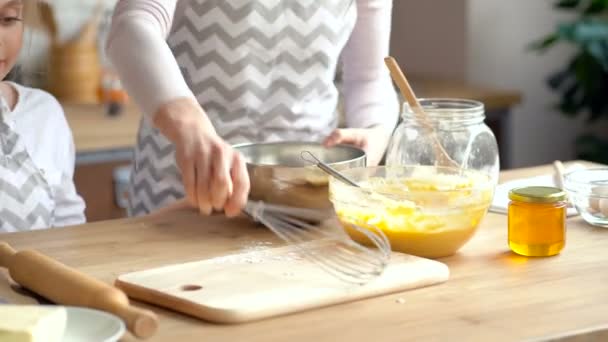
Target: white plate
(91,325)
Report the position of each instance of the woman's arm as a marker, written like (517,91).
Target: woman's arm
(137,48)
(214,174)
(369,96)
(370,102)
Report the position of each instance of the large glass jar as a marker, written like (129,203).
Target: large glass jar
(459,127)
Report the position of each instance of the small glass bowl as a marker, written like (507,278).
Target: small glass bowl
(588,191)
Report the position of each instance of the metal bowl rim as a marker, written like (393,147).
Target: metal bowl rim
(362,153)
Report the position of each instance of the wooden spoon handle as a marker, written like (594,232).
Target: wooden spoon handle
(67,286)
(558,176)
(406,90)
(402,83)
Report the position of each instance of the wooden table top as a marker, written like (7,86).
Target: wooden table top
(492,294)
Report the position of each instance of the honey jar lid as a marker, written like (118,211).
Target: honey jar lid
(537,194)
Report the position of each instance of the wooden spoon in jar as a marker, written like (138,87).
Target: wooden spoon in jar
(441,154)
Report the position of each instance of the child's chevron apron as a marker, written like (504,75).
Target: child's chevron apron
(26,200)
(263,70)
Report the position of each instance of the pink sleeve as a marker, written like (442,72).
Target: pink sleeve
(138,51)
(369,96)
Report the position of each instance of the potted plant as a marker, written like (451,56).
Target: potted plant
(583,82)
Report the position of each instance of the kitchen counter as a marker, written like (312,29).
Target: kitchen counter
(492,294)
(95,132)
(493,99)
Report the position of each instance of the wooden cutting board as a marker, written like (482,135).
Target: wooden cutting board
(260,284)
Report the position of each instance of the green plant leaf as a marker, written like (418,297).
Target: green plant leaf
(596,7)
(544,43)
(592,77)
(589,35)
(583,83)
(583,30)
(557,79)
(598,106)
(584,66)
(599,51)
(567,4)
(566,31)
(590,147)
(572,100)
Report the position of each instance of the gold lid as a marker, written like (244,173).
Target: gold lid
(537,194)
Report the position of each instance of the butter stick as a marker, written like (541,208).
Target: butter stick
(32,323)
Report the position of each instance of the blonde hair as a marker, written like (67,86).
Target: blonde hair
(31,20)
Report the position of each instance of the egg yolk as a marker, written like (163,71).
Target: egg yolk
(439,216)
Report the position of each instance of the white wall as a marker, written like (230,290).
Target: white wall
(429,37)
(498,33)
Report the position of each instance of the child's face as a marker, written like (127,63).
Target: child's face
(11,33)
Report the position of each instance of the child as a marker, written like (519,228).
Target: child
(36,146)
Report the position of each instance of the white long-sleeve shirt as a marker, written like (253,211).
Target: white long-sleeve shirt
(148,67)
(40,122)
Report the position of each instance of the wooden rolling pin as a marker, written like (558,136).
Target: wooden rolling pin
(67,286)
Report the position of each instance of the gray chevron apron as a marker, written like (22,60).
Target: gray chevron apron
(263,70)
(26,199)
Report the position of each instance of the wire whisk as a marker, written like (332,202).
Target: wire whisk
(319,240)
(344,258)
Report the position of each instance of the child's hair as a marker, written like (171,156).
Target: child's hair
(31,20)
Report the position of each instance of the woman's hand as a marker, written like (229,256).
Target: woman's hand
(373,141)
(214,175)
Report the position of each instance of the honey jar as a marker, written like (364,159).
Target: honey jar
(537,220)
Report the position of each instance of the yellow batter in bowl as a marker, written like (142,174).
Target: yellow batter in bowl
(423,210)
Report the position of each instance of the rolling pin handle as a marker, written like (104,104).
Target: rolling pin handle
(6,253)
(142,323)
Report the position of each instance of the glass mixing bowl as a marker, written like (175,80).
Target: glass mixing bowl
(426,211)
